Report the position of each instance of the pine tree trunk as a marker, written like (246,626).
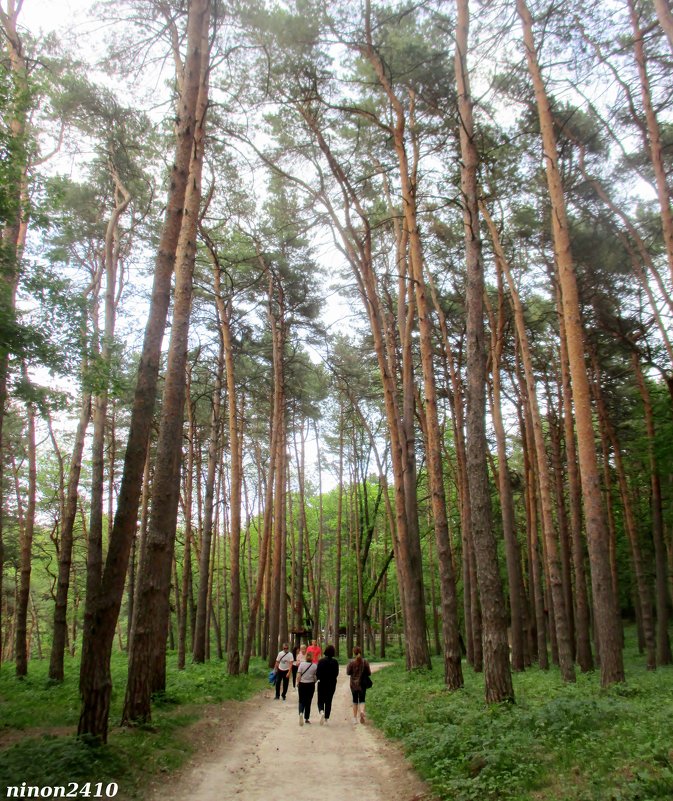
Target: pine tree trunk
(65,552)
(664,656)
(199,649)
(13,234)
(150,625)
(607,623)
(103,609)
(654,136)
(236,457)
(338,536)
(642,584)
(187,555)
(26,546)
(534,571)
(497,673)
(553,565)
(582,611)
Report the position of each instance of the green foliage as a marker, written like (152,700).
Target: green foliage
(45,716)
(559,742)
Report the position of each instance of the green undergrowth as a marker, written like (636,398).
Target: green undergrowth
(558,742)
(38,720)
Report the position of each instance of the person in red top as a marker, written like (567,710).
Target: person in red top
(315,651)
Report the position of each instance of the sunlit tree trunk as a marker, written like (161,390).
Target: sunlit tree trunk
(607,623)
(544,480)
(582,610)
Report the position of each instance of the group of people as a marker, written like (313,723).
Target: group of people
(308,668)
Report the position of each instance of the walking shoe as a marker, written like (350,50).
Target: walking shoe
(283,698)
(322,718)
(301,719)
(307,721)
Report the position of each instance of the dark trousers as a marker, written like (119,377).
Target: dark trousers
(306,691)
(294,675)
(283,678)
(325,696)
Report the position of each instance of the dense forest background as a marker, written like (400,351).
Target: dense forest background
(339,321)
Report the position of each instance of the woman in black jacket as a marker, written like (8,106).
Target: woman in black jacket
(328,670)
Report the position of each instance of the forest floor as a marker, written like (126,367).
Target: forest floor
(256,750)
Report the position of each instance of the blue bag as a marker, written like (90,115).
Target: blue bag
(272,677)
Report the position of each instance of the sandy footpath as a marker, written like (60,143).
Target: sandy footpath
(265,754)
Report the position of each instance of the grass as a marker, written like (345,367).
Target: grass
(558,742)
(41,718)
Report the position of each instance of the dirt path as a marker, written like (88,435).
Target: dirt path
(265,754)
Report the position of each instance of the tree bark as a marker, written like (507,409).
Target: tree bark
(497,672)
(544,479)
(60,635)
(512,550)
(103,608)
(664,656)
(653,135)
(26,547)
(200,635)
(150,625)
(607,623)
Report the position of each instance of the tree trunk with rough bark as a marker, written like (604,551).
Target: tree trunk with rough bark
(552,559)
(151,619)
(497,671)
(103,609)
(607,622)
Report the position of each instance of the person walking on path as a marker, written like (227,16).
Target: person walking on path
(306,678)
(299,657)
(359,671)
(315,650)
(283,667)
(326,672)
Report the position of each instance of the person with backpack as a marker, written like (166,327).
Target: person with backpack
(326,673)
(306,678)
(359,671)
(283,668)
